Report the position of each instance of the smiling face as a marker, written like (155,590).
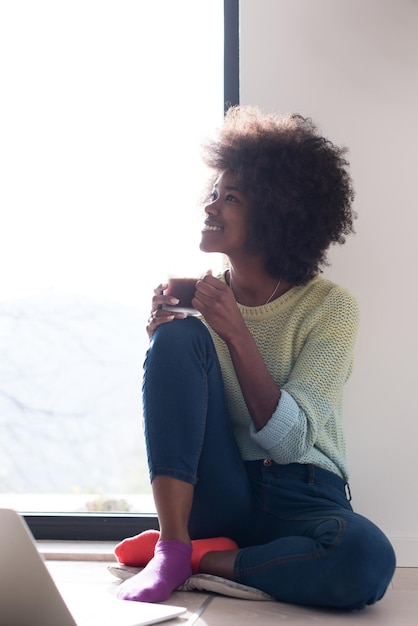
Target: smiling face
(225,227)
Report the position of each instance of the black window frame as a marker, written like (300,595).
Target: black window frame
(116,526)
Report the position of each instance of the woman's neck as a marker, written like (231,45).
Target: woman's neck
(253,286)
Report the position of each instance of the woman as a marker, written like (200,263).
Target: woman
(243,407)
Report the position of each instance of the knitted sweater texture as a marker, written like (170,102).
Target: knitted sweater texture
(306,338)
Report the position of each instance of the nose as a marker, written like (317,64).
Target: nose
(212,208)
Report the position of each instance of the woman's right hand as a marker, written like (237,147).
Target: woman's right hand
(158,314)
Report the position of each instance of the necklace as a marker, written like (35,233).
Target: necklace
(268,299)
(275,291)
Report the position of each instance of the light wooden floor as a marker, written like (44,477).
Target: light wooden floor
(91,579)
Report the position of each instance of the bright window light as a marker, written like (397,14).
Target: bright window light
(104,107)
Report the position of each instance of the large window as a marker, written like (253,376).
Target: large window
(104,107)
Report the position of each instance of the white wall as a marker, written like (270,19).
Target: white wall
(352,65)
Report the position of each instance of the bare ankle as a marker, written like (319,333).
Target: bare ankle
(183,537)
(219,563)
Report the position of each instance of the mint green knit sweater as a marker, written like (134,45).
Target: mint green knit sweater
(306,338)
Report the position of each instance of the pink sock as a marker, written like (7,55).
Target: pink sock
(137,551)
(168,569)
(213,544)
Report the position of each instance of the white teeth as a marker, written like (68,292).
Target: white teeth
(207,227)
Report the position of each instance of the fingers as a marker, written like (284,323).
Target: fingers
(156,320)
(159,315)
(211,288)
(159,298)
(208,282)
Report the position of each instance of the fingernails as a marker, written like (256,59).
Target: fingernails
(174,301)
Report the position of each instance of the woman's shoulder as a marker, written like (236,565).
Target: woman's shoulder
(321,288)
(337,299)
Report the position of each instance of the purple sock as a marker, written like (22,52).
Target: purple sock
(168,569)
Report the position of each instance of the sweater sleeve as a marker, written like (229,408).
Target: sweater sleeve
(311,398)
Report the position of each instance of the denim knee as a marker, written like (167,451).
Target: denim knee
(370,569)
(177,334)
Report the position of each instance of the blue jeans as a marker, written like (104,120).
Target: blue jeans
(299,539)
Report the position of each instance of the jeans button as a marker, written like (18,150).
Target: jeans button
(267,462)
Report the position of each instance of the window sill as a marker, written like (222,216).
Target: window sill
(89,527)
(77,550)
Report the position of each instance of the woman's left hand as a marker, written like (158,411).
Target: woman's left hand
(216,302)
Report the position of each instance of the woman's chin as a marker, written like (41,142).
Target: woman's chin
(205,247)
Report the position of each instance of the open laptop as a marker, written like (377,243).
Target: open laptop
(29,597)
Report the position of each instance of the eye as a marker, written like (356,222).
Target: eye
(231,198)
(213,196)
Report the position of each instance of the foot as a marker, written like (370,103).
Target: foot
(168,569)
(138,551)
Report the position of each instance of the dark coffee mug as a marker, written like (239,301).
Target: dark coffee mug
(183,289)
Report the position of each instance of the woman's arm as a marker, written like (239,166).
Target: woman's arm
(290,427)
(309,412)
(215,300)
(261,393)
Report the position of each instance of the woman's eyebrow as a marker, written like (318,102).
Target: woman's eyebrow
(227,188)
